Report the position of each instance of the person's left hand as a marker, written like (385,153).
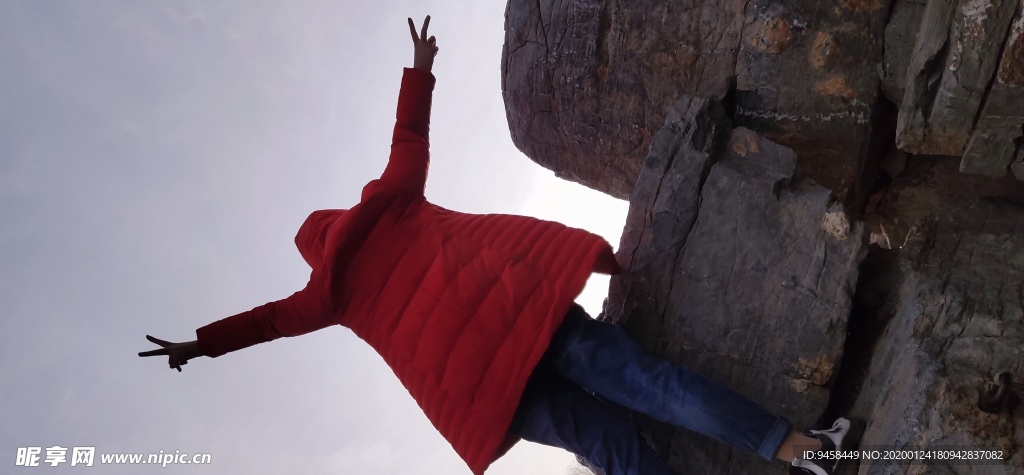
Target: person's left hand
(177,353)
(424,49)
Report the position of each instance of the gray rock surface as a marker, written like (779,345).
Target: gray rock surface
(754,280)
(588,83)
(953,319)
(1017,166)
(806,78)
(960,88)
(998,130)
(900,36)
(736,272)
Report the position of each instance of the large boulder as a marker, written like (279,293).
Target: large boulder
(735,270)
(587,83)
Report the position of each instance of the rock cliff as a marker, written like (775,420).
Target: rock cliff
(826,210)
(587,83)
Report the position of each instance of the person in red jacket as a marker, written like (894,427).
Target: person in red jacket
(476,316)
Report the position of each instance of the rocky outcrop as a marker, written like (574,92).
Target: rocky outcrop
(766,148)
(942,317)
(753,278)
(960,85)
(588,82)
(736,271)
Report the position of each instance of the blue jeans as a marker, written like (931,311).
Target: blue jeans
(591,366)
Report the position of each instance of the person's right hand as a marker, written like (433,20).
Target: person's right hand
(424,48)
(177,353)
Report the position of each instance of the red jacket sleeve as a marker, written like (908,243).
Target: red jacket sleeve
(301,313)
(410,155)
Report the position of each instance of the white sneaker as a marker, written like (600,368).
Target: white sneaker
(842,437)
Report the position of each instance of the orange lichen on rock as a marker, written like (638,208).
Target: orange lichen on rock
(748,144)
(836,87)
(1011,67)
(823,49)
(773,36)
(751,139)
(801,386)
(818,371)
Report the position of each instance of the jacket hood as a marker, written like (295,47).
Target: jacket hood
(312,236)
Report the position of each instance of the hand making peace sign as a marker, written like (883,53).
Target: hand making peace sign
(424,48)
(177,353)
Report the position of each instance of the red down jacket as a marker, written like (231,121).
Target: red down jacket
(460,306)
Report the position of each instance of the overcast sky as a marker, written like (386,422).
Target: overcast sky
(156,160)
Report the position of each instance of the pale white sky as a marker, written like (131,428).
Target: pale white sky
(156,160)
